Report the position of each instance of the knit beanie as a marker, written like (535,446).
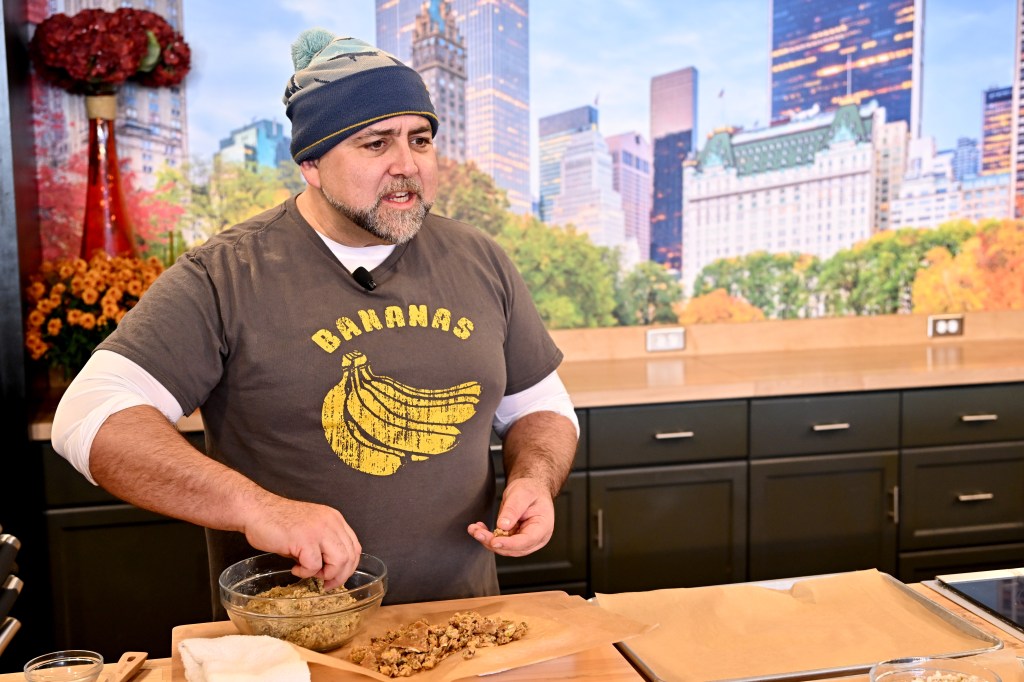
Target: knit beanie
(342,85)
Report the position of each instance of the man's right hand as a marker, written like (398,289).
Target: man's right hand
(316,536)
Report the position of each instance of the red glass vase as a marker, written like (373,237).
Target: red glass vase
(106,225)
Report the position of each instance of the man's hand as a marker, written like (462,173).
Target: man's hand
(527,513)
(316,536)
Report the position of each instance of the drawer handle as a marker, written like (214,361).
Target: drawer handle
(979,418)
(976,497)
(838,426)
(673,435)
(600,529)
(495,448)
(895,513)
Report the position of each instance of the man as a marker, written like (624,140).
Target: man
(350,353)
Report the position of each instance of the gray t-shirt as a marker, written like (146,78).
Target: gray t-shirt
(376,403)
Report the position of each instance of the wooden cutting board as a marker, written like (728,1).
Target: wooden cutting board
(598,663)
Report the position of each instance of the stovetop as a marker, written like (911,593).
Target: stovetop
(1000,593)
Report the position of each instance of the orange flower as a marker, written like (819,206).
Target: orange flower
(75,304)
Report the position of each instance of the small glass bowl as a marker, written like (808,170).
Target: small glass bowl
(75,665)
(931,670)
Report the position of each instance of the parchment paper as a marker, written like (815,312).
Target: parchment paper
(559,625)
(737,631)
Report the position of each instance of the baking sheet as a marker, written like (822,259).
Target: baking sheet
(716,638)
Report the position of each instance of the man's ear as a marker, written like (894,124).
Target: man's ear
(311,172)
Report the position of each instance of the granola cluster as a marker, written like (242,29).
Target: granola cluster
(318,624)
(421,646)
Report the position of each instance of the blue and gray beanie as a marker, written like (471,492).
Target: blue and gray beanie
(342,85)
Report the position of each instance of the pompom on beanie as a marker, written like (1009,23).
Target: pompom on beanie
(342,85)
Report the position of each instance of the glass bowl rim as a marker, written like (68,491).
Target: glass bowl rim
(374,589)
(928,664)
(89,659)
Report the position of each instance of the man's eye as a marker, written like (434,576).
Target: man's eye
(375,145)
(422,141)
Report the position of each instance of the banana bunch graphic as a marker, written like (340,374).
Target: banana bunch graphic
(373,422)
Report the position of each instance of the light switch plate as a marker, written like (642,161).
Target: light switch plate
(667,338)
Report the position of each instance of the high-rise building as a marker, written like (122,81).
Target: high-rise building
(260,144)
(396,23)
(673,126)
(439,55)
(587,198)
(497,42)
(847,52)
(673,102)
(554,132)
(1017,135)
(997,127)
(966,158)
(498,92)
(632,178)
(807,186)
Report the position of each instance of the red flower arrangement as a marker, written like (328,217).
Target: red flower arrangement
(95,51)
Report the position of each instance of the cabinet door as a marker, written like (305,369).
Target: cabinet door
(564,559)
(825,514)
(658,527)
(962,495)
(123,577)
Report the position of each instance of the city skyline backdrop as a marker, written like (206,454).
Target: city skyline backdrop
(968,48)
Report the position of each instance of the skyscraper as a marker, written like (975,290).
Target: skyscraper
(498,92)
(554,132)
(847,52)
(966,158)
(587,198)
(673,122)
(496,35)
(439,55)
(997,128)
(261,143)
(631,177)
(396,22)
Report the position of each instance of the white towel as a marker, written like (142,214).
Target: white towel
(241,658)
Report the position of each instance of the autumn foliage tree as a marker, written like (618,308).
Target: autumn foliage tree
(718,306)
(647,295)
(467,194)
(986,274)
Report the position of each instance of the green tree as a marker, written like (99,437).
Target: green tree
(571,281)
(468,194)
(647,295)
(778,284)
(876,276)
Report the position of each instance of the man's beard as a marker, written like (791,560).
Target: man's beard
(394,227)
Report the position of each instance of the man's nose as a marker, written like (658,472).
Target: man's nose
(402,162)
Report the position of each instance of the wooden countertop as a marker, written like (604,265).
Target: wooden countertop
(678,377)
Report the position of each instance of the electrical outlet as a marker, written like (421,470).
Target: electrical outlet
(945,325)
(668,338)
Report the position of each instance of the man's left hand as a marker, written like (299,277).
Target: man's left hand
(527,513)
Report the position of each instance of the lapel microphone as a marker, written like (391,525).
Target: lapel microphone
(365,279)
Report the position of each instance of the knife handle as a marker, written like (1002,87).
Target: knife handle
(9,546)
(9,591)
(7,629)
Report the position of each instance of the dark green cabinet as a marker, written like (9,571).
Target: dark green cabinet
(962,480)
(668,526)
(121,578)
(822,514)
